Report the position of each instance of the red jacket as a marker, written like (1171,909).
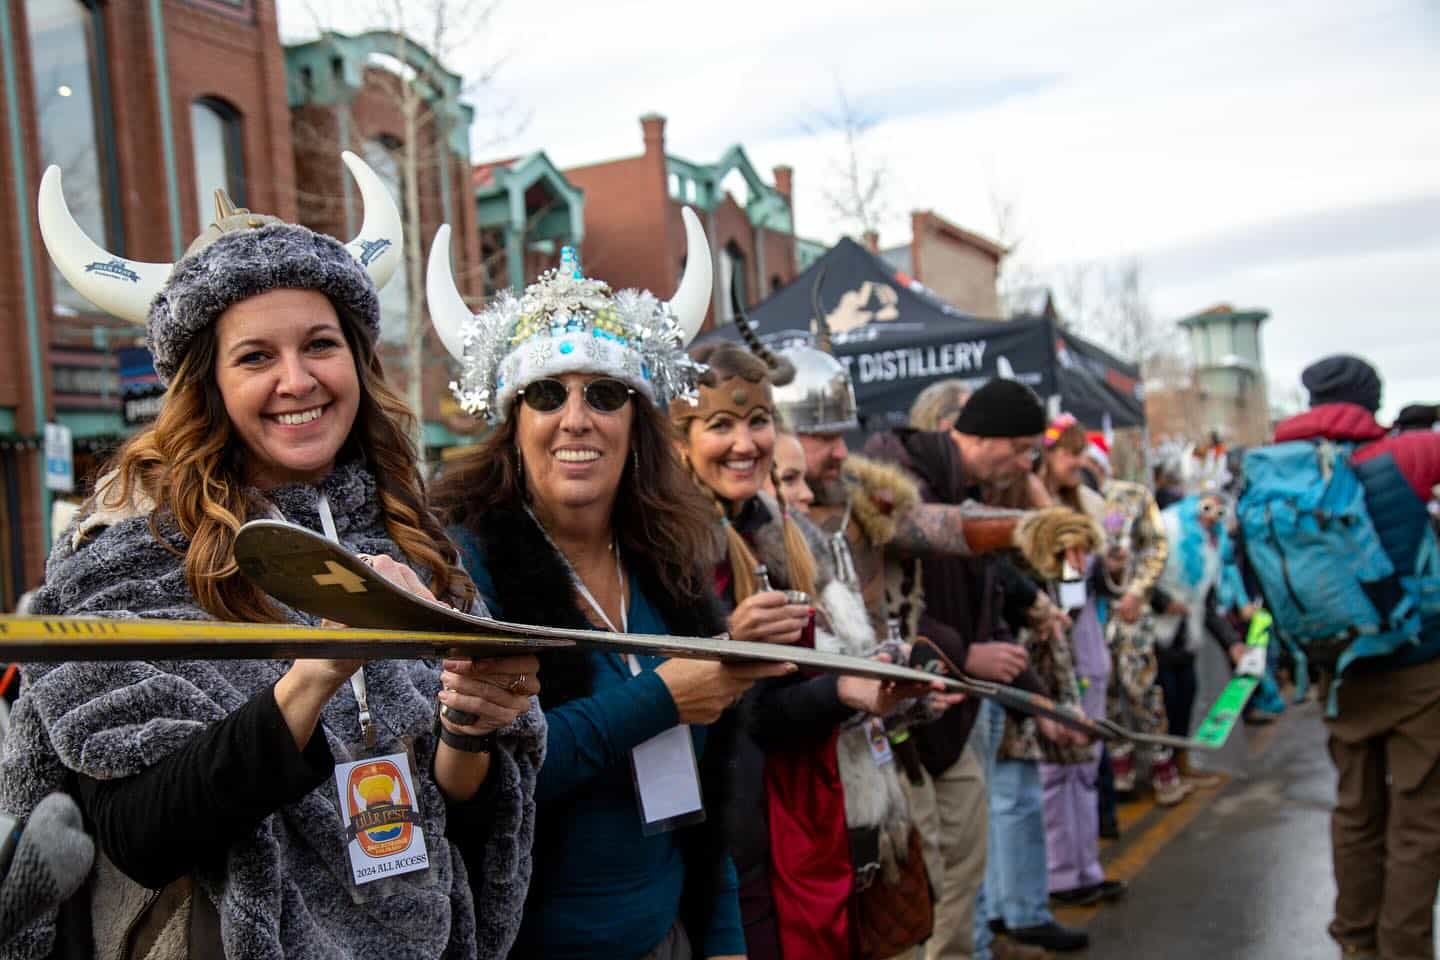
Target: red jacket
(1416,453)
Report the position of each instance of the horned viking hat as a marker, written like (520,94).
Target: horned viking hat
(568,323)
(821,397)
(241,255)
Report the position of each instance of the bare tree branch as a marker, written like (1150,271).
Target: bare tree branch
(858,189)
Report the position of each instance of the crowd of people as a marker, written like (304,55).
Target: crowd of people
(587,804)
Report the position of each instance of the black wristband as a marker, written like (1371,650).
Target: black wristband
(468,743)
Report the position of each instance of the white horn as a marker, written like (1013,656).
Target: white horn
(380,244)
(118,286)
(448,311)
(692,297)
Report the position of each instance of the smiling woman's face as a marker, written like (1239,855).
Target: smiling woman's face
(573,457)
(730,454)
(288,380)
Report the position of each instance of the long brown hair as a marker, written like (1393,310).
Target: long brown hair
(727,361)
(190,464)
(658,515)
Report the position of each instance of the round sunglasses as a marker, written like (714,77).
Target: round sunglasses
(605,395)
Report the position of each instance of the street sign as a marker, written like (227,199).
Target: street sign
(59,458)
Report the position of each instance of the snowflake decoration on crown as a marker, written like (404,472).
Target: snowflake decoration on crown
(566,322)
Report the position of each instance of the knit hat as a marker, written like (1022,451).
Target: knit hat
(1342,379)
(1002,408)
(240,255)
(565,322)
(1418,416)
(237,266)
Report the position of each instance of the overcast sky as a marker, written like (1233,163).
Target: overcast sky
(1282,155)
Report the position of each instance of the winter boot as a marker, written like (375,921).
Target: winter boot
(1122,765)
(1165,777)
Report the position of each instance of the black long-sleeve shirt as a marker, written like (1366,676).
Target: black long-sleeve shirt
(192,805)
(157,825)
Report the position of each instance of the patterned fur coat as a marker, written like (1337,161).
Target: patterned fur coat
(280,891)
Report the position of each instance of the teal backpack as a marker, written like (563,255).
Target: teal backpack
(1329,578)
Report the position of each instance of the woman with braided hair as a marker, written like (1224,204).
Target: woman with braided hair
(795,866)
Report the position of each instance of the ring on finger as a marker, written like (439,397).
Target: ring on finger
(516,683)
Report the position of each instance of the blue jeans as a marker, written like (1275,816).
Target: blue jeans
(1017,880)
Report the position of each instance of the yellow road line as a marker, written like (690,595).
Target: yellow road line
(1135,854)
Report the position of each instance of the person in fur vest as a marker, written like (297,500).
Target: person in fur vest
(805,756)
(211,786)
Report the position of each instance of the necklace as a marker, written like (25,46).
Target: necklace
(579,584)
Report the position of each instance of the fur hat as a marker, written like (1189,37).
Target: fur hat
(244,264)
(240,255)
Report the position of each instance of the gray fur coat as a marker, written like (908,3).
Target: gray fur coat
(281,891)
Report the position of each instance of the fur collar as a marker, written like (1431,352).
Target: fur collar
(532,585)
(880,493)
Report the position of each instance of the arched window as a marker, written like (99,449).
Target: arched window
(382,154)
(217,148)
(68,59)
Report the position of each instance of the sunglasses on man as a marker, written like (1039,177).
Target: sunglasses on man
(604,395)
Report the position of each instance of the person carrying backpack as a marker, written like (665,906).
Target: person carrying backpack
(1335,525)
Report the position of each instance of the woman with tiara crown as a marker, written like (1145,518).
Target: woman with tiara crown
(576,512)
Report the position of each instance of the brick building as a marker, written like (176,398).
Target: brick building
(147,107)
(141,105)
(957,264)
(634,236)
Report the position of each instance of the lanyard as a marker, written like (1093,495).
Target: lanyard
(357,679)
(589,597)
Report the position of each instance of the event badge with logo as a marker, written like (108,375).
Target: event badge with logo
(381,816)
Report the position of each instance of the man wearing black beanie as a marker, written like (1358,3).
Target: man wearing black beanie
(1384,737)
(974,607)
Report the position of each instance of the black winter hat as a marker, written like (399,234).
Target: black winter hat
(1418,416)
(1342,379)
(1002,408)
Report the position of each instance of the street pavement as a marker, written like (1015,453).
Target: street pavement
(1240,871)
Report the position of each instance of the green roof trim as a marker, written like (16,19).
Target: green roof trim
(701,185)
(330,70)
(501,203)
(1208,317)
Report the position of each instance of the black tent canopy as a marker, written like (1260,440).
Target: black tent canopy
(896,338)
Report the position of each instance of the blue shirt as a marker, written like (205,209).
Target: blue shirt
(607,889)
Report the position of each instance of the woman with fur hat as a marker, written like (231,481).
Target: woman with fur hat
(212,786)
(576,512)
(804,757)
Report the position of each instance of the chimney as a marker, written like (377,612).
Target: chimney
(654,126)
(872,241)
(784,179)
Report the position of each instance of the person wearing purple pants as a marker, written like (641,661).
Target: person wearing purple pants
(1071,782)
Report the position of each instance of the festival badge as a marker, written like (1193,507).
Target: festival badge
(381,816)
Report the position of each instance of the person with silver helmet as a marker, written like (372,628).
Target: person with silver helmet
(878,525)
